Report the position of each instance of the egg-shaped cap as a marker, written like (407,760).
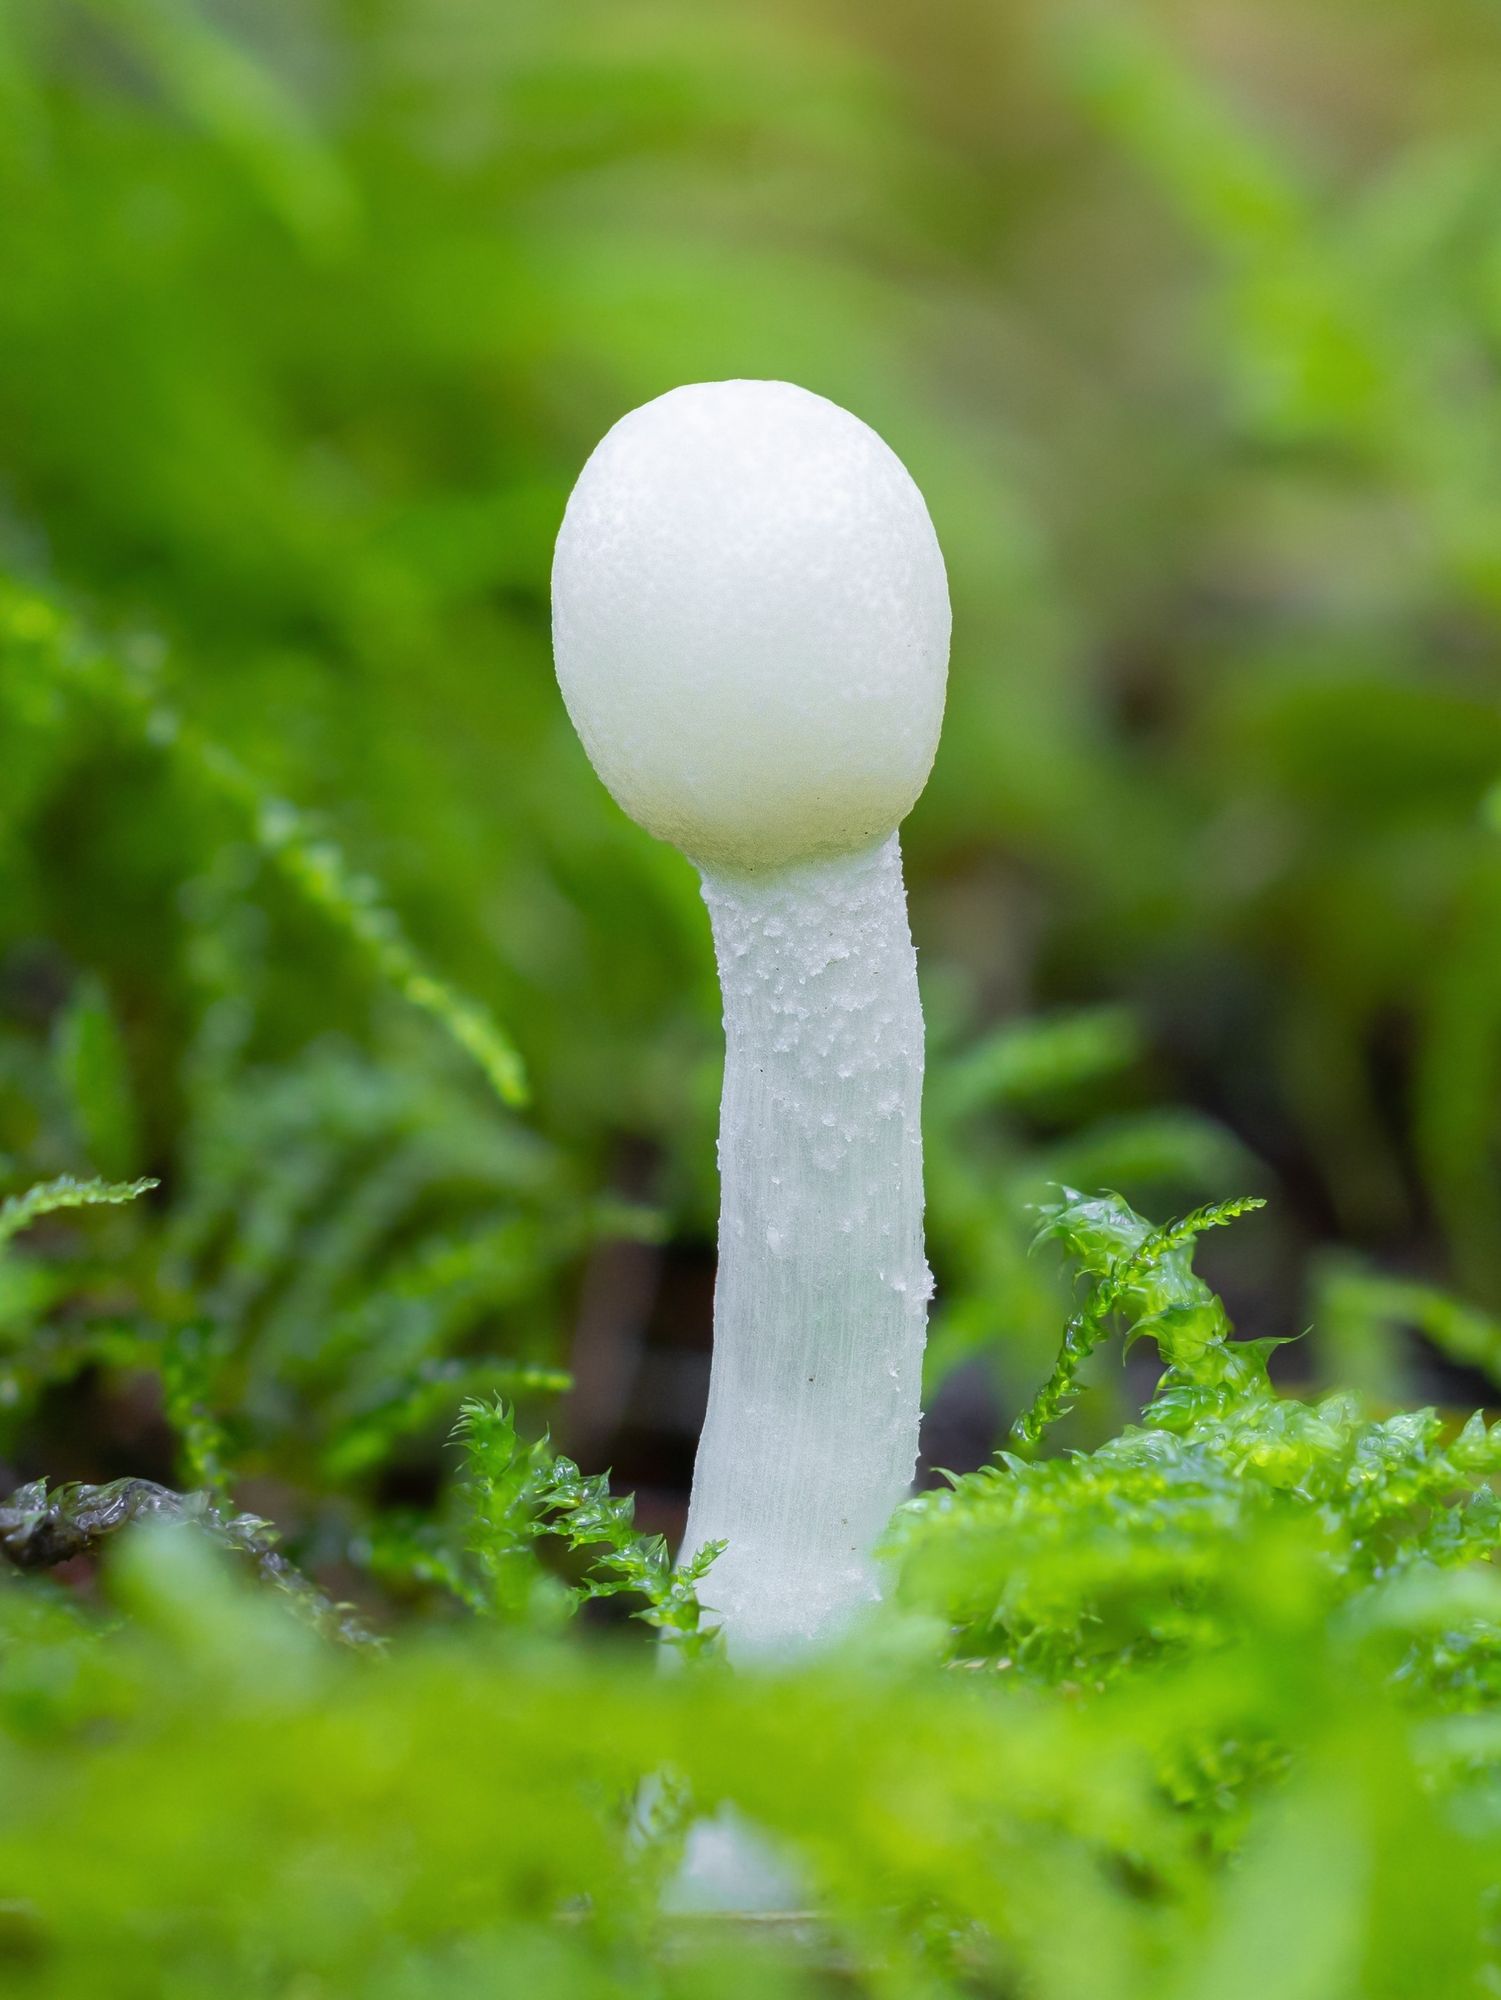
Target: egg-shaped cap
(751,624)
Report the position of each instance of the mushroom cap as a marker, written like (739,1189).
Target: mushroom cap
(751,624)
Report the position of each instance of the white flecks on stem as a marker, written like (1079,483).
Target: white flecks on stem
(821,1303)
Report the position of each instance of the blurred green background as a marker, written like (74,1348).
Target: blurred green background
(1187,320)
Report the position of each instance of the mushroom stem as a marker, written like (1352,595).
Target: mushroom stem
(820,1307)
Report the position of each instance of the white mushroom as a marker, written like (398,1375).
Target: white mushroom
(751,626)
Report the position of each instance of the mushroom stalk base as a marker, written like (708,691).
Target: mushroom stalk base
(820,1307)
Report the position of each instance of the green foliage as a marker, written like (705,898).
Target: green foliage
(35,641)
(1030,1104)
(1378,1305)
(1142,1276)
(517,1494)
(19,1211)
(338,1307)
(1228,1681)
(1096,1565)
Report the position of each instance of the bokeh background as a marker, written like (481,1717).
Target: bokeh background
(1187,320)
